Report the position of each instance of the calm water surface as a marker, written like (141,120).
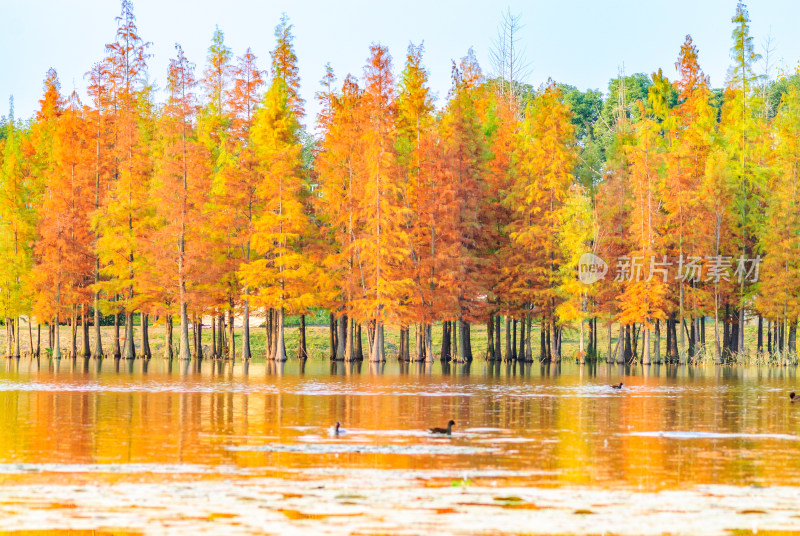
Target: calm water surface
(546,425)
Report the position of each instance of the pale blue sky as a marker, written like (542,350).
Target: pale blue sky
(578,42)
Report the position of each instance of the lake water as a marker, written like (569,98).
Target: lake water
(555,425)
(530,427)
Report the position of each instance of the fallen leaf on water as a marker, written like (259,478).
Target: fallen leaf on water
(520,506)
(297,514)
(220,515)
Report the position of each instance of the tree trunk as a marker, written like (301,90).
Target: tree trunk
(403,341)
(246,353)
(30,335)
(726,341)
(168,350)
(302,352)
(490,339)
(146,353)
(556,344)
(514,339)
(359,349)
(682,349)
(547,342)
(269,326)
(511,340)
(528,351)
(703,332)
(646,345)
(117,347)
(628,354)
(467,342)
(341,336)
(280,344)
(428,334)
(56,339)
(769,338)
(214,354)
(98,338)
(231,336)
(760,341)
(130,347)
(458,338)
(509,356)
(445,353)
(740,332)
(332,335)
(657,348)
(421,345)
(377,352)
(668,355)
(87,352)
(194,335)
(221,345)
(73,325)
(498,354)
(38,339)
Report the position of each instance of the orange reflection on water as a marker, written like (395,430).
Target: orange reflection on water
(540,425)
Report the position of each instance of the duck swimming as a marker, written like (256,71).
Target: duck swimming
(793,397)
(337,430)
(617,386)
(447,431)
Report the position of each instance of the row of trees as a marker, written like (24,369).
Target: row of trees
(218,203)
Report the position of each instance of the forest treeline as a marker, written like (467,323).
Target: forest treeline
(218,202)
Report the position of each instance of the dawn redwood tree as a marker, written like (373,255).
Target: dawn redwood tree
(120,241)
(180,187)
(216,121)
(339,170)
(643,298)
(284,65)
(780,240)
(64,270)
(19,179)
(464,154)
(501,117)
(100,118)
(576,233)
(233,202)
(613,206)
(415,124)
(381,245)
(740,131)
(281,275)
(541,186)
(685,228)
